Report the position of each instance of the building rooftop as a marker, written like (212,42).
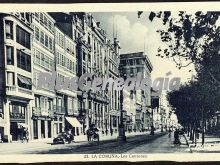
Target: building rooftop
(137,55)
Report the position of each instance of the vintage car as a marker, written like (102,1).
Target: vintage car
(63,137)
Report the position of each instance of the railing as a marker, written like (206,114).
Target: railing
(72,112)
(26,91)
(59,109)
(10,88)
(14,89)
(36,111)
(51,112)
(17,116)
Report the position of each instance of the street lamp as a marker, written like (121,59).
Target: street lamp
(152,122)
(121,132)
(121,135)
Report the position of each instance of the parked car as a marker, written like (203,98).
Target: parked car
(63,137)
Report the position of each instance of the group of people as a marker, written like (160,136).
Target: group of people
(92,133)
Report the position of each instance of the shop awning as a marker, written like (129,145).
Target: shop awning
(73,121)
(23,125)
(24,80)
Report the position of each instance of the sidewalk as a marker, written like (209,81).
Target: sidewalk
(103,137)
(212,144)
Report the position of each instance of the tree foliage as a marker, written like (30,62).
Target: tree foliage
(191,39)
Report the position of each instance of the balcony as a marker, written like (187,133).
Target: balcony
(51,112)
(11,90)
(59,109)
(99,97)
(38,111)
(17,116)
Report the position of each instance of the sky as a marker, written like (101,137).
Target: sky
(139,34)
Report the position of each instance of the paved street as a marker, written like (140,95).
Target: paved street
(163,144)
(159,143)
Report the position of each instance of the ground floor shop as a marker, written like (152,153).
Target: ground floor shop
(14,121)
(72,124)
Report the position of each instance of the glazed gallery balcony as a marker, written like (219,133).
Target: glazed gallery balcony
(38,111)
(59,109)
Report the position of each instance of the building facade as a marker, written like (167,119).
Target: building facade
(98,56)
(135,65)
(65,44)
(16,74)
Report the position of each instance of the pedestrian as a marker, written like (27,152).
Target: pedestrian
(111,131)
(88,135)
(176,137)
(169,134)
(25,136)
(152,130)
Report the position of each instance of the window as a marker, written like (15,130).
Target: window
(84,56)
(61,40)
(10,78)
(42,59)
(37,57)
(51,44)
(41,18)
(67,63)
(68,46)
(51,64)
(10,55)
(138,69)
(37,17)
(89,40)
(45,21)
(22,15)
(37,33)
(50,26)
(71,65)
(47,62)
(46,41)
(89,57)
(24,82)
(58,58)
(9,29)
(23,61)
(75,34)
(131,62)
(42,37)
(62,60)
(74,68)
(22,37)
(28,18)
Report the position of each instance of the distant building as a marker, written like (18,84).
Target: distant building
(132,65)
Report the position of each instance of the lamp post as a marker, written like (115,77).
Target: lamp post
(152,122)
(121,135)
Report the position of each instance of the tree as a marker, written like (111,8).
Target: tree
(190,39)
